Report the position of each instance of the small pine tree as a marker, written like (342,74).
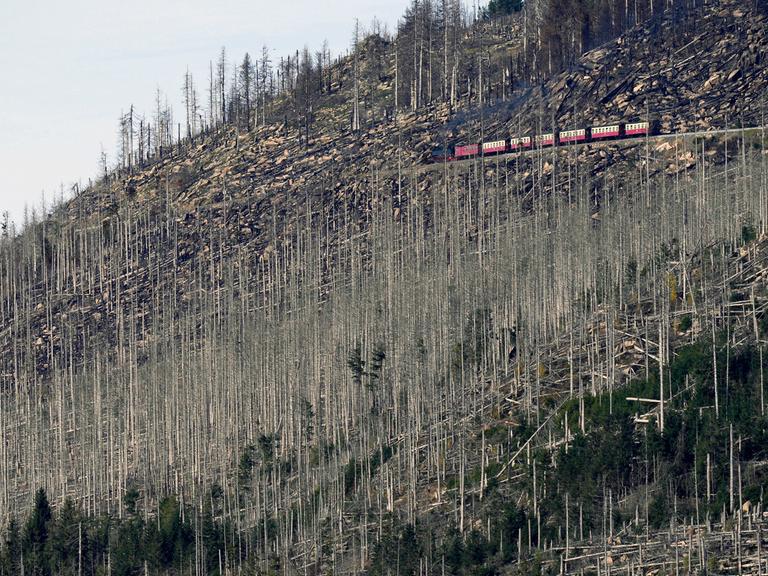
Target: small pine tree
(130,499)
(356,364)
(175,534)
(377,362)
(36,536)
(213,539)
(64,539)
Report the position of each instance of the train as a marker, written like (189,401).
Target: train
(618,131)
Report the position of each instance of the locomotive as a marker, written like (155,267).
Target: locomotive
(618,131)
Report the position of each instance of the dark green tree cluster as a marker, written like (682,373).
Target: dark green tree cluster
(498,8)
(68,542)
(470,555)
(616,455)
(403,547)
(613,459)
(357,366)
(399,550)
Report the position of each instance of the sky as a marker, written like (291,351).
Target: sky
(69,68)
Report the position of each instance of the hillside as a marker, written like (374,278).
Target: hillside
(320,354)
(250,186)
(692,70)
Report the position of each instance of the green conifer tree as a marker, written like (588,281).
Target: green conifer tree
(36,537)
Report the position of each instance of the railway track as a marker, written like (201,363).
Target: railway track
(624,143)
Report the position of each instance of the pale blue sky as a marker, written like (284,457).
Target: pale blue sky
(70,66)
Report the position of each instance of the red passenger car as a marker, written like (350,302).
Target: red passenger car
(602,132)
(637,129)
(573,136)
(520,143)
(494,147)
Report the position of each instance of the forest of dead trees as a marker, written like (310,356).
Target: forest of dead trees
(343,377)
(422,371)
